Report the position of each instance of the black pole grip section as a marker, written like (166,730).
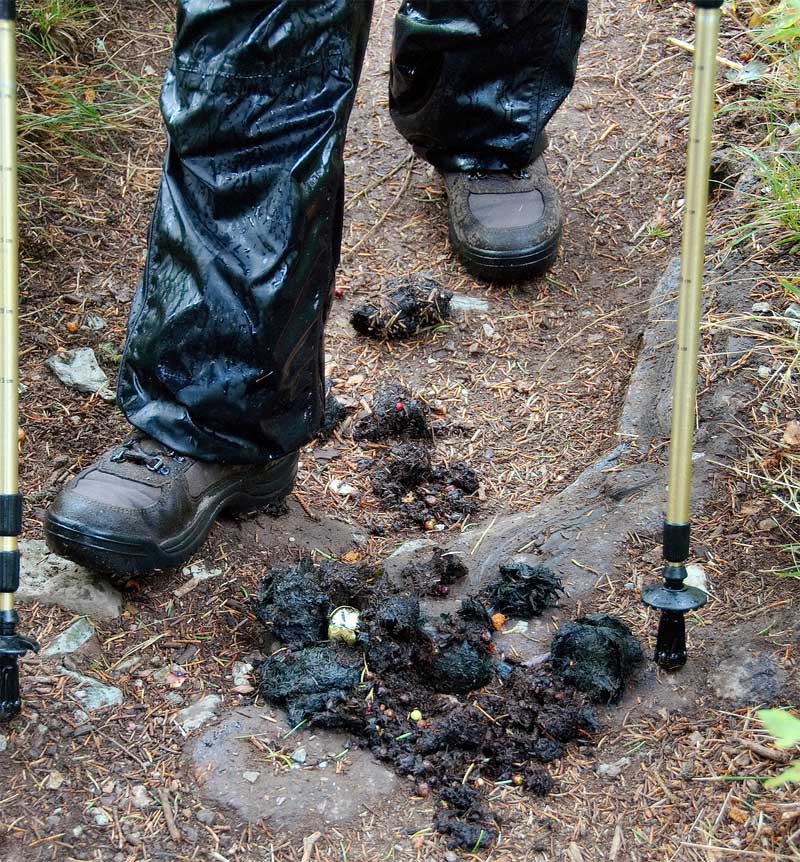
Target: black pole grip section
(10,700)
(8,10)
(708,4)
(10,512)
(9,571)
(676,542)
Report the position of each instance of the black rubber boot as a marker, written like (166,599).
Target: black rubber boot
(143,507)
(505,226)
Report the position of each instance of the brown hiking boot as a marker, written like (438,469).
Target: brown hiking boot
(143,507)
(504,226)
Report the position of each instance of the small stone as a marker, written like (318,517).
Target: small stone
(764,372)
(101,818)
(77,831)
(95,322)
(613,770)
(767,524)
(71,639)
(488,330)
(199,572)
(54,780)
(762,308)
(78,369)
(92,694)
(140,798)
(791,434)
(449,856)
(299,755)
(3,742)
(468,304)
(51,580)
(174,698)
(241,673)
(341,488)
(206,815)
(251,777)
(696,577)
(360,539)
(198,713)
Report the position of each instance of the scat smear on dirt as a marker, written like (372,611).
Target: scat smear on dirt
(431,697)
(434,576)
(410,305)
(407,481)
(595,654)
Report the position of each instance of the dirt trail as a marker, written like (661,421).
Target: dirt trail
(533,386)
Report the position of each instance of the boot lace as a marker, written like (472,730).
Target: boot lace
(132,450)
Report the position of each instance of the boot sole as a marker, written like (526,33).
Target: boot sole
(507,266)
(123,557)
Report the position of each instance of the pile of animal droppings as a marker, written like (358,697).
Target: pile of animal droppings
(432,697)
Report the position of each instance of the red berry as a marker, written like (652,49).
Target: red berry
(399,407)
(338,292)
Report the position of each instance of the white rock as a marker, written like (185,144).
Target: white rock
(95,322)
(71,639)
(3,742)
(764,372)
(199,572)
(92,694)
(54,780)
(241,673)
(140,798)
(198,713)
(696,577)
(341,488)
(52,580)
(762,308)
(252,777)
(613,770)
(299,755)
(101,818)
(468,304)
(79,370)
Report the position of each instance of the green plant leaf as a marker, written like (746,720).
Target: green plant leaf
(782,725)
(788,776)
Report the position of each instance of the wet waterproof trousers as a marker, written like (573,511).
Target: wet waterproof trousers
(224,359)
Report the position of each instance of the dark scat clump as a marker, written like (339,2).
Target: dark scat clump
(411,304)
(462,816)
(523,590)
(293,605)
(460,666)
(312,683)
(395,414)
(595,654)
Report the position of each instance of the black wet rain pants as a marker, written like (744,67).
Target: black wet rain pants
(224,357)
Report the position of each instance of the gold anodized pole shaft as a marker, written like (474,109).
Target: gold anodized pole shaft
(9,297)
(690,301)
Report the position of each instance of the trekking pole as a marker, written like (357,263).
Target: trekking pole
(673,598)
(12,645)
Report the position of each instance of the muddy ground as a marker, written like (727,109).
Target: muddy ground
(530,389)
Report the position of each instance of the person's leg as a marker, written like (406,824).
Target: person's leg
(223,371)
(473,85)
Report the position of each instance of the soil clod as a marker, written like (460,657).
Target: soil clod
(595,654)
(411,304)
